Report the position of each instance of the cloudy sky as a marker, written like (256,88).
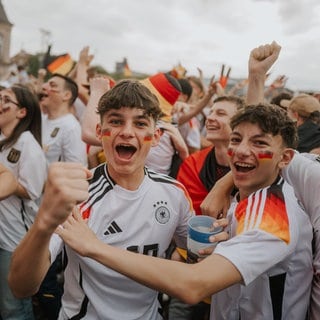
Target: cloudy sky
(155,35)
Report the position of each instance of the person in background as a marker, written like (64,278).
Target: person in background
(61,141)
(22,156)
(305,110)
(199,172)
(189,130)
(61,131)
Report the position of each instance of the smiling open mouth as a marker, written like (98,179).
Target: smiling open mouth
(42,95)
(243,167)
(125,151)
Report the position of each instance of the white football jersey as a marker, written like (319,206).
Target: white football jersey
(271,248)
(143,221)
(28,164)
(61,140)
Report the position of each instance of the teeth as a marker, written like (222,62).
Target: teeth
(124,145)
(244,165)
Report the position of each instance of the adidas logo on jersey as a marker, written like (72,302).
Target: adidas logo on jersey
(113,228)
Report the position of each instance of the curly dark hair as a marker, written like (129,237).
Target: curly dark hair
(270,119)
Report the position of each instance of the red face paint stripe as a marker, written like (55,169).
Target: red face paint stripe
(106,133)
(148,138)
(265,155)
(230,152)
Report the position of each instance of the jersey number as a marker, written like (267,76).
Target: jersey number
(149,250)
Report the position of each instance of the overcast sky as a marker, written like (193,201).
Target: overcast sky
(155,35)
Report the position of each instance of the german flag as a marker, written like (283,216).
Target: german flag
(62,65)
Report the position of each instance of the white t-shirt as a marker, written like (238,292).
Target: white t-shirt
(159,157)
(27,162)
(143,221)
(270,245)
(61,140)
(191,133)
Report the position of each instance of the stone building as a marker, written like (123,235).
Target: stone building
(5,36)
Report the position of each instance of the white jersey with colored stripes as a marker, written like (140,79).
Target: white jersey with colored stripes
(27,162)
(143,221)
(270,245)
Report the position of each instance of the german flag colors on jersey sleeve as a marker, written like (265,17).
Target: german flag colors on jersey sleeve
(264,210)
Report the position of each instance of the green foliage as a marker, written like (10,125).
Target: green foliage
(33,65)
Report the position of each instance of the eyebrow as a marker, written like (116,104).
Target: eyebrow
(256,136)
(120,115)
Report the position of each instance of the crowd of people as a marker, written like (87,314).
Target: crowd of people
(100,177)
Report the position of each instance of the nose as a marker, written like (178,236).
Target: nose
(242,149)
(45,86)
(211,116)
(127,130)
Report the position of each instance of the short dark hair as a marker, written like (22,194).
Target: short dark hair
(69,85)
(131,94)
(270,119)
(186,87)
(238,101)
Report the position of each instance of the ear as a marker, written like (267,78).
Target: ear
(67,95)
(156,137)
(287,156)
(98,131)
(22,112)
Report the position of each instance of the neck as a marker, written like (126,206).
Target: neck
(8,129)
(57,112)
(127,180)
(245,192)
(222,157)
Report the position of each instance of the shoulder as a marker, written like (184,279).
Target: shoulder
(165,180)
(27,140)
(197,158)
(68,122)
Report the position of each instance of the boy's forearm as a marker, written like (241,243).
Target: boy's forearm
(184,281)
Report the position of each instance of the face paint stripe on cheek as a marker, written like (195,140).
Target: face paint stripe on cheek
(148,138)
(230,152)
(106,133)
(265,155)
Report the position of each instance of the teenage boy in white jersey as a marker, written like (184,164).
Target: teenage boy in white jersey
(129,206)
(270,248)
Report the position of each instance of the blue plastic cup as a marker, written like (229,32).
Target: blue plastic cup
(200,229)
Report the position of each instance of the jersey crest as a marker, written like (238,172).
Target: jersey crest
(54,132)
(162,213)
(14,155)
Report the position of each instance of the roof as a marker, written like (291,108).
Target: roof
(3,16)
